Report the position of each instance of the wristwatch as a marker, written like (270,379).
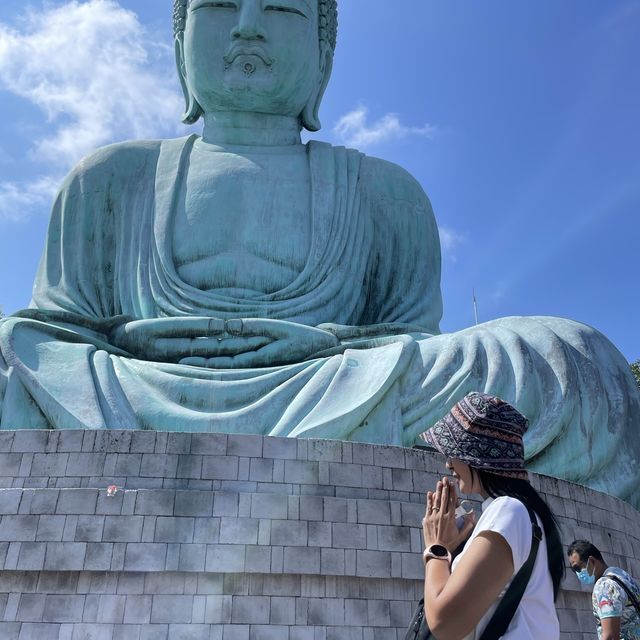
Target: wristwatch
(436,551)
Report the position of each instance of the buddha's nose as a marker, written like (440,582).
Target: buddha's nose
(249,25)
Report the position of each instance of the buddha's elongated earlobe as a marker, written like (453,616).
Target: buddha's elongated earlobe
(310,114)
(193,110)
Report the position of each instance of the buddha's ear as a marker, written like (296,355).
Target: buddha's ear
(310,118)
(193,110)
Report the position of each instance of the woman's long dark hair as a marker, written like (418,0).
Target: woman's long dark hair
(496,485)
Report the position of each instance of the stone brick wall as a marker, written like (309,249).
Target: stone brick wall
(236,537)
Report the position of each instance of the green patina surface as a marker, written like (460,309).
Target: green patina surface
(244,282)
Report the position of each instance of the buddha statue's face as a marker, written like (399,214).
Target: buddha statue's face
(260,56)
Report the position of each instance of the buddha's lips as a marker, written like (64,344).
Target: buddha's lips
(236,52)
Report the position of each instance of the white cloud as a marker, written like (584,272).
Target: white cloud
(97,76)
(18,200)
(353,129)
(450,239)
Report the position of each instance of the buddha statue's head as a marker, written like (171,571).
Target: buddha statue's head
(260,56)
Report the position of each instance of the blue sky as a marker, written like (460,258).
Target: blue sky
(520,120)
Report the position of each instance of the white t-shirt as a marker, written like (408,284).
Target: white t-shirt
(535,617)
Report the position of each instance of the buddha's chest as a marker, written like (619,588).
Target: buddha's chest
(243,224)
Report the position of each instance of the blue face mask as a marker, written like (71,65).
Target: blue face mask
(585,577)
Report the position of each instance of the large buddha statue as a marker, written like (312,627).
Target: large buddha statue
(244,282)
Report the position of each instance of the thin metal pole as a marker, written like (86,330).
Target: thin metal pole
(475,306)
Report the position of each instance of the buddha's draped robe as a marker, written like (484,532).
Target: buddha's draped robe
(373,273)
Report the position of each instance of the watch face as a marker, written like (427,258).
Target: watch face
(438,550)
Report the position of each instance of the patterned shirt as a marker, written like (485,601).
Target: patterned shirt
(610,600)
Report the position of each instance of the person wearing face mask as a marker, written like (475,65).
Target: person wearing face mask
(614,590)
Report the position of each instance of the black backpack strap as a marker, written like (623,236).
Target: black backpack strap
(501,618)
(622,583)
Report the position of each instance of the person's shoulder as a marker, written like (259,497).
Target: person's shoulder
(508,506)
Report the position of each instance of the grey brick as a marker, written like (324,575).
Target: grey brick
(250,610)
(86,464)
(77,501)
(9,498)
(113,441)
(373,564)
(39,631)
(111,609)
(171,609)
(57,582)
(50,528)
(65,556)
(70,440)
(282,448)
(394,539)
(30,440)
(191,632)
(335,509)
(320,534)
(147,556)
(49,464)
(312,507)
(332,562)
(207,530)
(301,560)
(154,632)
(63,608)
(137,609)
(189,466)
(225,558)
(171,529)
(123,528)
(193,503)
(130,583)
(31,556)
(157,502)
(126,632)
(269,506)
(301,472)
(159,465)
(349,536)
(326,611)
(31,607)
(43,501)
(10,463)
(143,442)
(389,457)
(192,557)
(18,528)
(286,532)
(238,530)
(99,556)
(261,469)
(220,467)
(248,445)
(89,528)
(225,504)
(374,512)
(128,464)
(178,442)
(258,559)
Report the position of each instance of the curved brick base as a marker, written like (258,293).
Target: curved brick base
(232,537)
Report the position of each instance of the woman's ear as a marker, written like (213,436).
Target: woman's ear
(193,110)
(310,118)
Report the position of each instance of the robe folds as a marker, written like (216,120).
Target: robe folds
(372,277)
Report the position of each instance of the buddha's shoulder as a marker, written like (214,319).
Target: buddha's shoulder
(385,180)
(122,160)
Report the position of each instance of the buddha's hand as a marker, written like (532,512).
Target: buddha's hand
(221,344)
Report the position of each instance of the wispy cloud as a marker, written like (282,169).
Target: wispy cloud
(18,200)
(96,75)
(450,240)
(353,129)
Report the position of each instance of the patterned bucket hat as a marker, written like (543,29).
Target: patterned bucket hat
(484,432)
